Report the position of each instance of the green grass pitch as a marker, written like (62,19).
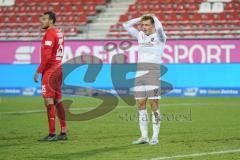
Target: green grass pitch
(189,126)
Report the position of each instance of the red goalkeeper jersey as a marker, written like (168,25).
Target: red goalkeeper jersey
(51,50)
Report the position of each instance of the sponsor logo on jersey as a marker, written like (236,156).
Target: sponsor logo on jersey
(48,43)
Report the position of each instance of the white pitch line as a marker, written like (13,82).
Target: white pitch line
(197,154)
(88,108)
(40,111)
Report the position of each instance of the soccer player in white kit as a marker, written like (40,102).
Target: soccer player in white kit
(151,40)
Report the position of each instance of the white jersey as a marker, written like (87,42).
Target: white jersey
(151,46)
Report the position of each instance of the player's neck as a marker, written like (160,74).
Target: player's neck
(50,27)
(152,32)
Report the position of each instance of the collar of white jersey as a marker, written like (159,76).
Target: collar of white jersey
(149,34)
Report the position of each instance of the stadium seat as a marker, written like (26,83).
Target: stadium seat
(132,8)
(193,16)
(70,14)
(217,7)
(7,3)
(186,18)
(67,9)
(78,9)
(123,18)
(88,2)
(205,7)
(90,9)
(100,2)
(219,1)
(2,20)
(80,20)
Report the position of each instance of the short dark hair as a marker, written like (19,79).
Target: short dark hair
(145,18)
(52,16)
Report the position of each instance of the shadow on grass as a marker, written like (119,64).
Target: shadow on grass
(88,153)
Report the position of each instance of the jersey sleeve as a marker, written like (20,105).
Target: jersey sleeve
(129,27)
(159,29)
(46,54)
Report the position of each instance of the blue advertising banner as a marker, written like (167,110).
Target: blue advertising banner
(186,79)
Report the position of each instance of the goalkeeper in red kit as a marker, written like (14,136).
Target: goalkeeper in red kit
(51,70)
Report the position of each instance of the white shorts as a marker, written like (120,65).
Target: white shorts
(147,83)
(147,88)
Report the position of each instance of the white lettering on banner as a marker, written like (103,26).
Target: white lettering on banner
(120,59)
(99,52)
(67,54)
(111,54)
(12,91)
(180,53)
(191,52)
(203,91)
(229,91)
(177,54)
(167,56)
(228,47)
(23,54)
(83,50)
(132,56)
(198,54)
(213,53)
